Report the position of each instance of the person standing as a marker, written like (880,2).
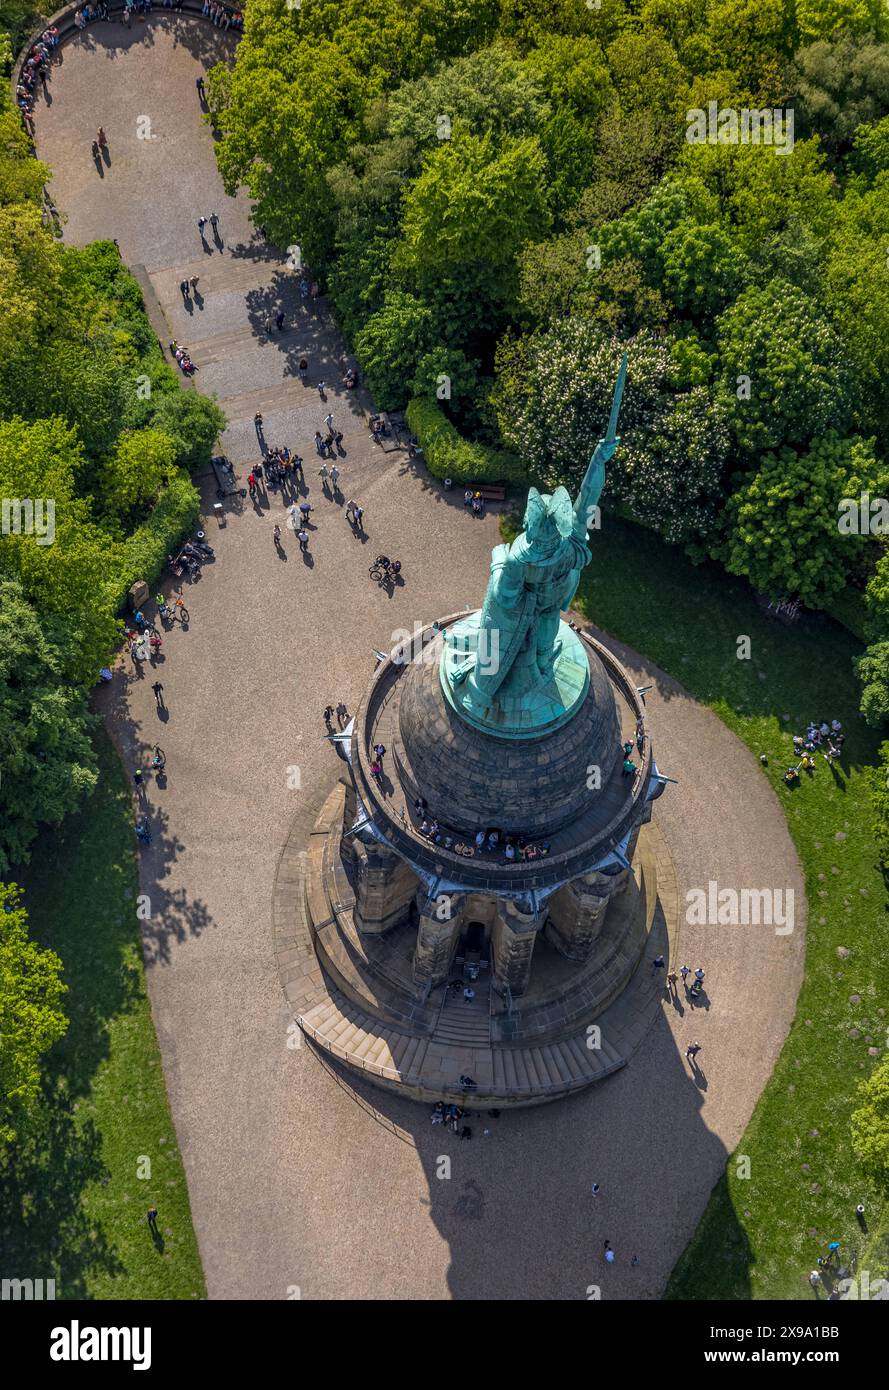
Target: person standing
(152,1220)
(609,1253)
(334,477)
(202,222)
(199,83)
(257,425)
(158,694)
(214,223)
(185,290)
(685,971)
(302,536)
(342,713)
(323,475)
(279,320)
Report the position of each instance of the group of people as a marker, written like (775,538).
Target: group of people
(221,15)
(183,361)
(88,13)
(820,737)
(279,469)
(135,638)
(450,1115)
(474,501)
(35,69)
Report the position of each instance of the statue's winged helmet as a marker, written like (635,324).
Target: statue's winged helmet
(549,518)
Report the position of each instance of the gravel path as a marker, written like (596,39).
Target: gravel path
(293,1184)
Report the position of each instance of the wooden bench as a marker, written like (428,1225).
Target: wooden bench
(492,492)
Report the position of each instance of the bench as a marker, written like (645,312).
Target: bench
(492,492)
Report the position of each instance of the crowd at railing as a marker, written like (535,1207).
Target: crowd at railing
(36,66)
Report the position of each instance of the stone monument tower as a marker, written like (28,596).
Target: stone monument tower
(479,897)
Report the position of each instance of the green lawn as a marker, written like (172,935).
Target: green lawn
(760,1237)
(73,1207)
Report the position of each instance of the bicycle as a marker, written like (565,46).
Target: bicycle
(380,573)
(159,759)
(181,609)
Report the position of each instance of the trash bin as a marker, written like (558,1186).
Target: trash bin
(219,513)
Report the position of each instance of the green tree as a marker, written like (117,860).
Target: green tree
(872,670)
(142,462)
(552,398)
(490,91)
(782,522)
(474,206)
(31,1017)
(391,345)
(46,760)
(870,1126)
(839,84)
(783,375)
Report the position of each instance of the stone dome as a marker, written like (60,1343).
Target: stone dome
(473,780)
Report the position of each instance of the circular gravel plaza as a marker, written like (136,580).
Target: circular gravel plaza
(296,1177)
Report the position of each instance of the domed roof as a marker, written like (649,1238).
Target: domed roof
(473,780)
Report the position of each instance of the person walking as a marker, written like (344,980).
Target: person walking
(685,971)
(692,1051)
(276,536)
(658,964)
(152,1220)
(334,477)
(257,425)
(185,290)
(328,420)
(321,390)
(158,694)
(199,84)
(214,223)
(609,1253)
(202,222)
(269,326)
(303,368)
(194,283)
(297,466)
(302,536)
(323,475)
(328,717)
(595,1189)
(672,981)
(342,713)
(279,320)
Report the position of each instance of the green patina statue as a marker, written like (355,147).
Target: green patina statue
(515,669)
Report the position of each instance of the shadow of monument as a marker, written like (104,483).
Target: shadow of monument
(514,1202)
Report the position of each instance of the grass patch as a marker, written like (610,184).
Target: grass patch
(760,1237)
(72,1206)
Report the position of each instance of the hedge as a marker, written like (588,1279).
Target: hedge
(143,555)
(448,455)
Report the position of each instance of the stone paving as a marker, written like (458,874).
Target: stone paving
(292,1182)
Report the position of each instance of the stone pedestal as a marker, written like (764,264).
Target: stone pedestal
(386,887)
(577,914)
(513,940)
(437,931)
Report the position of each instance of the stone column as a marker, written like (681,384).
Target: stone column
(577,914)
(386,886)
(437,931)
(513,940)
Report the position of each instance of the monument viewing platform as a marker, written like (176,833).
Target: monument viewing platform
(564,795)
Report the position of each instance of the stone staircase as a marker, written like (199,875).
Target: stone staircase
(463,1023)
